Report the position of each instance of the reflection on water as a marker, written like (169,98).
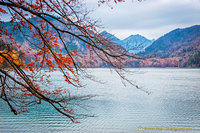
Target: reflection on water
(174,102)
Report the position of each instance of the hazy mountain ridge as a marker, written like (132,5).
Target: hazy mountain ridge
(133,44)
(178,48)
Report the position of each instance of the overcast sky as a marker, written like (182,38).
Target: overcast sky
(150,18)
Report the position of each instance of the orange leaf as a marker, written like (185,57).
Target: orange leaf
(3,11)
(28,94)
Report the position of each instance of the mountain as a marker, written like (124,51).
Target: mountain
(136,43)
(133,44)
(166,45)
(178,48)
(111,37)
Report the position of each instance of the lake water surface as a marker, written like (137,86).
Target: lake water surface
(172,106)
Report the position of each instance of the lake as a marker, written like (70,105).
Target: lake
(173,105)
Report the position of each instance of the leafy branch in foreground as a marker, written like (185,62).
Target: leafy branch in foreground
(47,25)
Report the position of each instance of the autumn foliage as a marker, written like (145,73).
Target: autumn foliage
(24,66)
